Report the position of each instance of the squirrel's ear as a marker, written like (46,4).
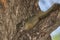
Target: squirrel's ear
(44,5)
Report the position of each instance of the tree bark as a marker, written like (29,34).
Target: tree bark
(23,20)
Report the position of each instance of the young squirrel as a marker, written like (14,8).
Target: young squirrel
(33,20)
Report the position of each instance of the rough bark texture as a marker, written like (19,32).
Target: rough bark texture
(14,14)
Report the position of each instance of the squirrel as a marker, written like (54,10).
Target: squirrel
(33,20)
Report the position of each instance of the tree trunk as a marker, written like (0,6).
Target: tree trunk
(23,20)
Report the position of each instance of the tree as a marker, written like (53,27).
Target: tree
(15,14)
